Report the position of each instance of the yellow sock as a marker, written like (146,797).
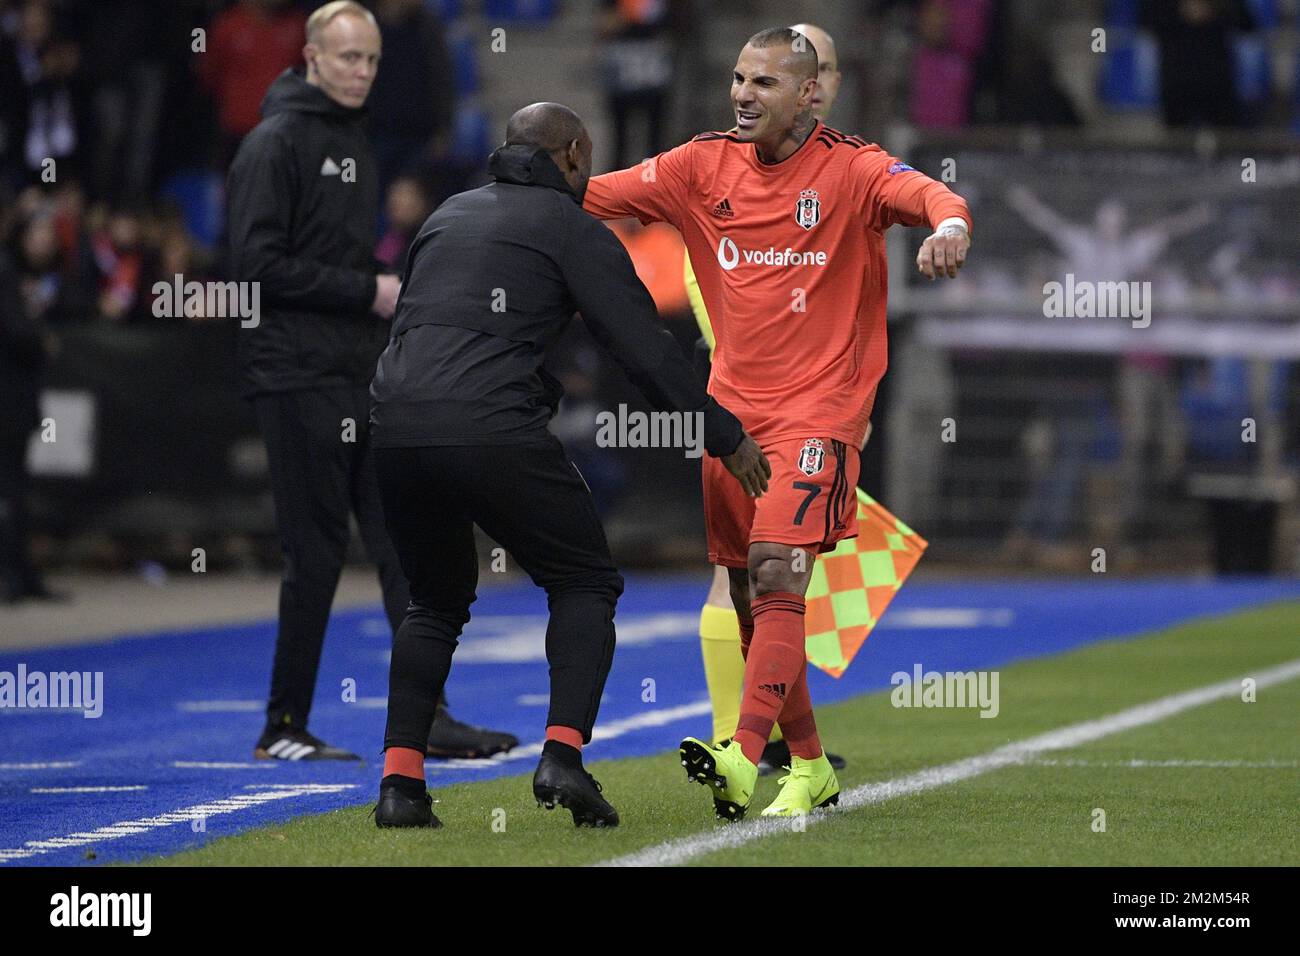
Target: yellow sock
(724,667)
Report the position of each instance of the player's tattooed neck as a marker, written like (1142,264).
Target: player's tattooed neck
(802,129)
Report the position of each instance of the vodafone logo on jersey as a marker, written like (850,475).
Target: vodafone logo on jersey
(730,255)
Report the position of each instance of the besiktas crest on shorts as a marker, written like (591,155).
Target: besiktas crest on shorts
(812,456)
(808,210)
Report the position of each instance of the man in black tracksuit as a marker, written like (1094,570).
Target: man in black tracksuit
(459,415)
(22,358)
(303,203)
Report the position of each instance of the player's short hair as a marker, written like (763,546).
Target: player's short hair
(803,57)
(322,17)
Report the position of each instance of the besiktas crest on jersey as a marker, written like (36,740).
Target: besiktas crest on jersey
(812,456)
(808,210)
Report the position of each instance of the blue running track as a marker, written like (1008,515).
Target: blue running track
(169,763)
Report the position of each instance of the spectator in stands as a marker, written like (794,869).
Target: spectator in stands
(124,68)
(68,207)
(48,62)
(413,98)
(637,66)
(950,37)
(406,207)
(119,256)
(174,252)
(13,118)
(53,292)
(1198,81)
(22,356)
(249,45)
(1017,82)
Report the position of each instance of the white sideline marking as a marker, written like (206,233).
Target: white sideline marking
(1250,764)
(49,765)
(673,852)
(87,789)
(946,618)
(114,831)
(497,638)
(522,637)
(223,765)
(220,706)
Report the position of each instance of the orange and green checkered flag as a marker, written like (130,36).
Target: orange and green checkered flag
(852,585)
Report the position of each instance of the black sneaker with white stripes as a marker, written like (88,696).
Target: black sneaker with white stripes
(281,744)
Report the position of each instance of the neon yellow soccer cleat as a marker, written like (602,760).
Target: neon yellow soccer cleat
(725,771)
(810,784)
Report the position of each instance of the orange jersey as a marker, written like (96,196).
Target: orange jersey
(790,259)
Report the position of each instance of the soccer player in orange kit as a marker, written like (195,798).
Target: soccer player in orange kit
(784,219)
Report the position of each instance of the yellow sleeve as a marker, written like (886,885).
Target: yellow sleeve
(697,302)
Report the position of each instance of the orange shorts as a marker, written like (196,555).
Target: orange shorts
(810,501)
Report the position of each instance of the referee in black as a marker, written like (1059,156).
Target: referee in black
(303,201)
(460,405)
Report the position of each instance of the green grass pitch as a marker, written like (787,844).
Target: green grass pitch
(1218,784)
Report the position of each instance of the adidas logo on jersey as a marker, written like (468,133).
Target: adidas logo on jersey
(723,210)
(329,167)
(776,690)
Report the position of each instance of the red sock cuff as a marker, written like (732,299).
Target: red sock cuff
(405,762)
(565,735)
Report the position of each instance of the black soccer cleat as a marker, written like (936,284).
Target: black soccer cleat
(574,789)
(449,738)
(404,802)
(776,756)
(297,745)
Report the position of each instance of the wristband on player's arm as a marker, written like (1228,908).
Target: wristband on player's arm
(722,430)
(956,222)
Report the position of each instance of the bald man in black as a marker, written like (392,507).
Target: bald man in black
(459,411)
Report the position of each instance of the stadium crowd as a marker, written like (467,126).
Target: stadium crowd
(118,119)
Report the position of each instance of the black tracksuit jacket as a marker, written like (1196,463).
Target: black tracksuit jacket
(492,278)
(303,204)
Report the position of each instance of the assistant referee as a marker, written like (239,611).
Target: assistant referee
(460,405)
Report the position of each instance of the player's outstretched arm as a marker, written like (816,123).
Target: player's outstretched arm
(621,316)
(651,191)
(888,191)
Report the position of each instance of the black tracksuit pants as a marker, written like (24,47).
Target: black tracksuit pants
(531,499)
(318,478)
